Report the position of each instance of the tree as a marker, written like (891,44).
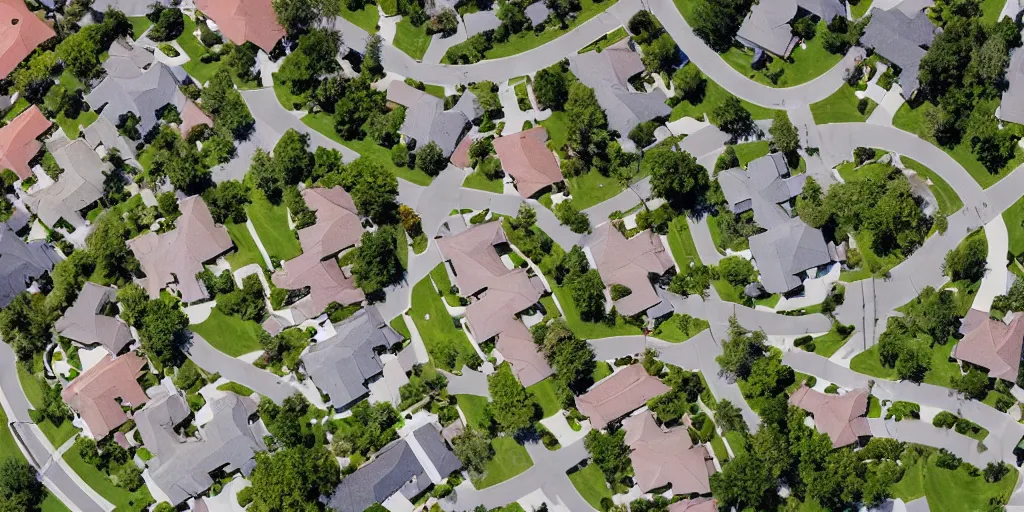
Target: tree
(227,201)
(230,113)
(643,25)
(610,453)
(935,313)
(163,332)
(246,302)
(973,384)
(689,84)
(810,204)
(588,295)
(264,176)
(297,16)
(571,357)
(376,264)
(914,361)
(480,149)
(372,187)
(168,25)
(68,277)
(430,159)
(356,107)
(768,377)
(693,279)
(513,16)
(512,408)
(643,134)
(743,482)
(661,55)
(446,22)
(784,134)
(551,87)
(968,261)
(676,176)
(587,134)
(373,63)
(107,243)
(293,479)
(80,52)
(20,489)
(732,118)
(473,448)
(738,271)
(727,160)
(717,22)
(729,417)
(741,350)
(292,157)
(567,214)
(133,300)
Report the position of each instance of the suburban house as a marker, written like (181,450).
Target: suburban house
(666,457)
(175,257)
(98,394)
(614,397)
(994,346)
(398,472)
(22,33)
(538,13)
(480,21)
(245,20)
(516,345)
(788,253)
(1011,107)
(102,136)
(342,365)
(78,188)
(631,263)
(825,10)
(19,141)
(91,321)
(526,157)
(472,258)
(901,40)
(129,7)
(21,263)
(142,92)
(767,28)
(839,416)
(191,117)
(127,60)
(426,120)
(608,73)
(181,466)
(338,227)
(695,505)
(766,187)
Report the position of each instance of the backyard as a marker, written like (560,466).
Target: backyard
(229,334)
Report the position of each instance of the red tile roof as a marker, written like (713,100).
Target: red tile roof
(18,141)
(526,157)
(97,394)
(839,416)
(245,20)
(20,33)
(618,395)
(994,346)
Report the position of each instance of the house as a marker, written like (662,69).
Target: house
(87,322)
(516,345)
(129,7)
(506,295)
(160,420)
(338,227)
(666,457)
(245,20)
(787,253)
(630,263)
(608,73)
(994,346)
(1011,107)
(22,33)
(472,257)
(695,505)
(342,365)
(79,187)
(98,394)
(396,468)
(127,60)
(426,120)
(766,187)
(902,40)
(767,28)
(839,416)
(614,397)
(526,157)
(21,263)
(825,10)
(141,92)
(19,141)
(480,21)
(538,13)
(191,117)
(182,467)
(437,460)
(175,257)
(102,136)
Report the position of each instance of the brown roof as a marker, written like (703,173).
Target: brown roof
(505,297)
(97,394)
(324,278)
(460,157)
(663,458)
(192,116)
(517,347)
(527,158)
(695,505)
(839,416)
(628,262)
(337,223)
(18,144)
(994,346)
(178,255)
(618,395)
(472,256)
(245,20)
(22,32)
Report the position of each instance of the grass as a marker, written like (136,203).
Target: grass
(411,39)
(271,223)
(941,371)
(546,394)
(365,18)
(474,407)
(9,448)
(477,180)
(73,126)
(1014,219)
(727,292)
(587,189)
(140,24)
(750,151)
(827,344)
(737,442)
(949,201)
(670,330)
(950,490)
(589,330)
(913,120)
(601,370)
(444,284)
(680,242)
(528,39)
(558,131)
(33,388)
(718,446)
(229,334)
(510,459)
(324,124)
(286,97)
(874,407)
(841,107)
(714,95)
(590,483)
(447,344)
(859,9)
(195,50)
(246,251)
(802,66)
(101,483)
(235,388)
(849,276)
(19,106)
(399,325)
(990,10)
(604,42)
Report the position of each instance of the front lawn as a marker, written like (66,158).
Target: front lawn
(860,8)
(714,95)
(271,223)
(195,50)
(604,42)
(841,107)
(411,39)
(951,490)
(324,124)
(1014,219)
(474,407)
(737,442)
(601,370)
(672,330)
(101,483)
(447,344)
(510,459)
(546,394)
(949,201)
(399,325)
(827,344)
(558,131)
(443,283)
(33,388)
(680,242)
(140,24)
(802,66)
(528,39)
(589,330)
(591,188)
(365,18)
(750,151)
(229,334)
(246,251)
(478,181)
(942,369)
(590,483)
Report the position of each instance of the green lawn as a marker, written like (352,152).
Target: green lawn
(478,181)
(603,42)
(990,10)
(913,120)
(806,64)
(827,344)
(73,126)
(33,388)
(246,251)
(680,242)
(510,459)
(591,188)
(714,95)
(399,325)
(941,371)
(951,490)
(9,448)
(271,223)
(874,407)
(670,330)
(474,407)
(140,24)
(447,344)
(365,18)
(411,39)
(546,394)
(718,446)
(1014,219)
(737,442)
(949,201)
(601,370)
(841,107)
(728,292)
(444,284)
(324,124)
(750,151)
(229,334)
(590,483)
(528,39)
(589,330)
(286,97)
(19,106)
(860,8)
(195,50)
(235,388)
(558,131)
(101,483)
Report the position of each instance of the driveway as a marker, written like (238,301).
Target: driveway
(214,361)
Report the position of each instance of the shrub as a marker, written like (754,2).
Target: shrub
(832,389)
(803,340)
(900,409)
(862,105)
(944,419)
(619,291)
(400,155)
(811,380)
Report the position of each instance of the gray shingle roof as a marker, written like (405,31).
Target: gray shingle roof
(608,73)
(538,12)
(767,26)
(84,323)
(482,21)
(426,120)
(899,38)
(143,94)
(440,455)
(469,105)
(80,185)
(762,188)
(1011,108)
(341,365)
(395,469)
(786,250)
(21,263)
(824,9)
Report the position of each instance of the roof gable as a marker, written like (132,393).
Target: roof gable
(614,397)
(18,141)
(245,20)
(22,33)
